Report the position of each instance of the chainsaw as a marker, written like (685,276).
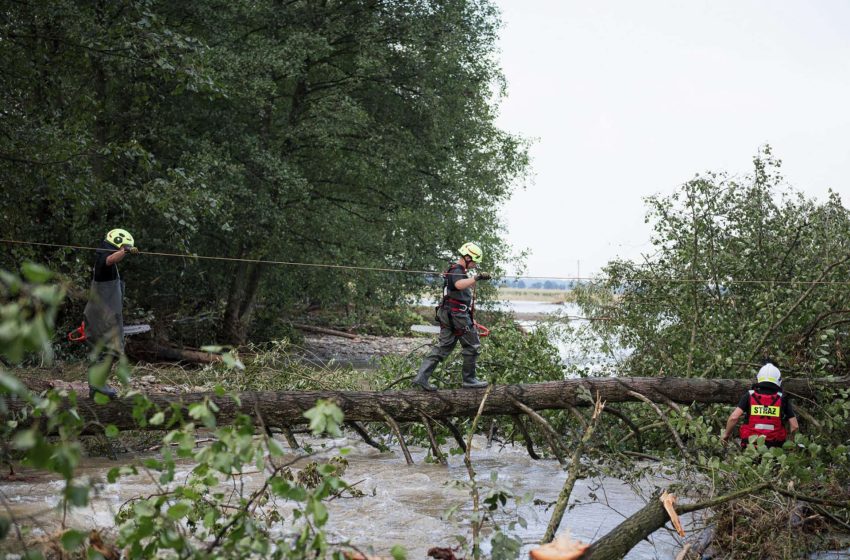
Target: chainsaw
(79,334)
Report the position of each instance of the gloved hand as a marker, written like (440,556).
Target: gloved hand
(131,250)
(483,276)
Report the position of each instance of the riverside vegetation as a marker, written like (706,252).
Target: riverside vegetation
(342,132)
(672,321)
(318,132)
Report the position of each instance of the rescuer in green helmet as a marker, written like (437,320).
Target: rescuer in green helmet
(104,316)
(456,322)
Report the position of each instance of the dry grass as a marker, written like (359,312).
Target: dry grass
(525,294)
(768,526)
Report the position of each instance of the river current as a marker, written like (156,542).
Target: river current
(402,504)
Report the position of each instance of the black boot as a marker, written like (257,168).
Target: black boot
(105,390)
(421,381)
(469,380)
(429,364)
(473,383)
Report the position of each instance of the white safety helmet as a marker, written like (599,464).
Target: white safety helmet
(769,373)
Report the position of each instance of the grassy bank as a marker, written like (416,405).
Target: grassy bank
(526,294)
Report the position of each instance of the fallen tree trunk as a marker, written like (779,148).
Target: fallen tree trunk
(152,351)
(622,538)
(286,408)
(323,330)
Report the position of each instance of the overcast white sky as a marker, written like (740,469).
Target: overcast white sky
(625,99)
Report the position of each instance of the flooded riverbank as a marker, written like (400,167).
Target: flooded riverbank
(402,504)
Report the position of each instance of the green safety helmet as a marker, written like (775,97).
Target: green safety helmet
(471,250)
(120,237)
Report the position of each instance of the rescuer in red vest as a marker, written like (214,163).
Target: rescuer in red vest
(765,410)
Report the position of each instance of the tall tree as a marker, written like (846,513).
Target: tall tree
(742,268)
(344,132)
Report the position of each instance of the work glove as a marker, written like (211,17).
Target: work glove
(131,250)
(483,276)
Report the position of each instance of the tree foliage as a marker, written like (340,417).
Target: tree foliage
(208,514)
(337,132)
(741,268)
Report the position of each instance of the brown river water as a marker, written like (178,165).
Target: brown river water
(403,504)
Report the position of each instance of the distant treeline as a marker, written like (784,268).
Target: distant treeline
(540,284)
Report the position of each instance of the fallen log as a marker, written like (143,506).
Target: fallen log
(323,330)
(622,538)
(152,351)
(286,408)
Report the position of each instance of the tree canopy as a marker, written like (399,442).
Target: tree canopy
(742,268)
(345,132)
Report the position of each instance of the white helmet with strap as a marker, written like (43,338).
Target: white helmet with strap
(769,373)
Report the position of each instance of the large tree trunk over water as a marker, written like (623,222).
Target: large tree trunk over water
(285,408)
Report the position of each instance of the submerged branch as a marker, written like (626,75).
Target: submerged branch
(620,540)
(575,468)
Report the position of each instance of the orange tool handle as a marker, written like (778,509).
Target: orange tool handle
(482,330)
(78,334)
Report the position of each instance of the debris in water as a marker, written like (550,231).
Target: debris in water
(106,550)
(443,553)
(669,501)
(562,548)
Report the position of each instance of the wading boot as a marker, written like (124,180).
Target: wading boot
(473,383)
(111,393)
(470,382)
(421,381)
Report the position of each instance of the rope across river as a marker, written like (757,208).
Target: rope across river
(723,282)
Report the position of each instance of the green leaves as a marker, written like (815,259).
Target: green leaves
(203,411)
(77,495)
(729,281)
(325,417)
(25,439)
(72,539)
(36,273)
(274,145)
(10,383)
(27,312)
(179,510)
(98,372)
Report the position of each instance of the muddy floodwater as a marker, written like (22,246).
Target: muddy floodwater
(403,504)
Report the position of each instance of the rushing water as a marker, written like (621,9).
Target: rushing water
(530,313)
(403,504)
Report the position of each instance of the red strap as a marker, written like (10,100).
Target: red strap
(78,334)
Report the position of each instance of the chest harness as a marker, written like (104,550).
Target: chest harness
(454,305)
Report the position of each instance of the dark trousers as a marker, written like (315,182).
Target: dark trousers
(457,327)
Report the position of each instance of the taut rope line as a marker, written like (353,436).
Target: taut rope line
(426,272)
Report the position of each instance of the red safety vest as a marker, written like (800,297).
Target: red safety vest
(765,417)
